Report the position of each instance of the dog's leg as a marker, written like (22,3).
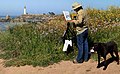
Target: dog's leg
(105,63)
(98,61)
(118,59)
(116,53)
(111,53)
(117,56)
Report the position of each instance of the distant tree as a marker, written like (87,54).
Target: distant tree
(51,13)
(44,14)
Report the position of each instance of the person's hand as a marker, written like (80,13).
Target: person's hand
(71,20)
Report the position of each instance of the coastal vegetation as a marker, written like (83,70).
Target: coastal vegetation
(41,44)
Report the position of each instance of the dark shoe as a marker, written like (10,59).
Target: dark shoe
(81,61)
(86,60)
(76,62)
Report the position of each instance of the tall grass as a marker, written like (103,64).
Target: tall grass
(33,44)
(41,44)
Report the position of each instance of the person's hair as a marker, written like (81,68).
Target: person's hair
(79,8)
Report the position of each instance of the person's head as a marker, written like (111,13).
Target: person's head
(76,6)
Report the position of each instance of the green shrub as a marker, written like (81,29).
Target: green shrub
(28,44)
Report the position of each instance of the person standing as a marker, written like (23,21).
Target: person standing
(82,34)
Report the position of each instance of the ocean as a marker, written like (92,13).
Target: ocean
(2,26)
(5,25)
(3,17)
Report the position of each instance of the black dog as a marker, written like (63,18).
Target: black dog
(103,49)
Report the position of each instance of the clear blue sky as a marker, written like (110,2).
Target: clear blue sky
(15,7)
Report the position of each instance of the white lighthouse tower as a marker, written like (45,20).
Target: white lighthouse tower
(25,11)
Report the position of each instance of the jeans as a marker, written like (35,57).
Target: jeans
(82,43)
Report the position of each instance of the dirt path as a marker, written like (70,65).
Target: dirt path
(63,67)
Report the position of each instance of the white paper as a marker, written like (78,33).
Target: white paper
(67,15)
(67,42)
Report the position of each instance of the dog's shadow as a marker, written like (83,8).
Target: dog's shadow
(108,61)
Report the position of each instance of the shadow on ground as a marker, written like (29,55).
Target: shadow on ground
(108,61)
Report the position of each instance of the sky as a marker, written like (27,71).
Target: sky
(15,7)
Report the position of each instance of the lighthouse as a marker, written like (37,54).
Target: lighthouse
(25,11)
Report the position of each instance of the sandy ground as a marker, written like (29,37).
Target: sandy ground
(63,67)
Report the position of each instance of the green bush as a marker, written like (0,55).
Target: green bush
(28,44)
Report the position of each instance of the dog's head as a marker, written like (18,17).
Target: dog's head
(95,47)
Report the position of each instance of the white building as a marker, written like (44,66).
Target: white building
(25,11)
